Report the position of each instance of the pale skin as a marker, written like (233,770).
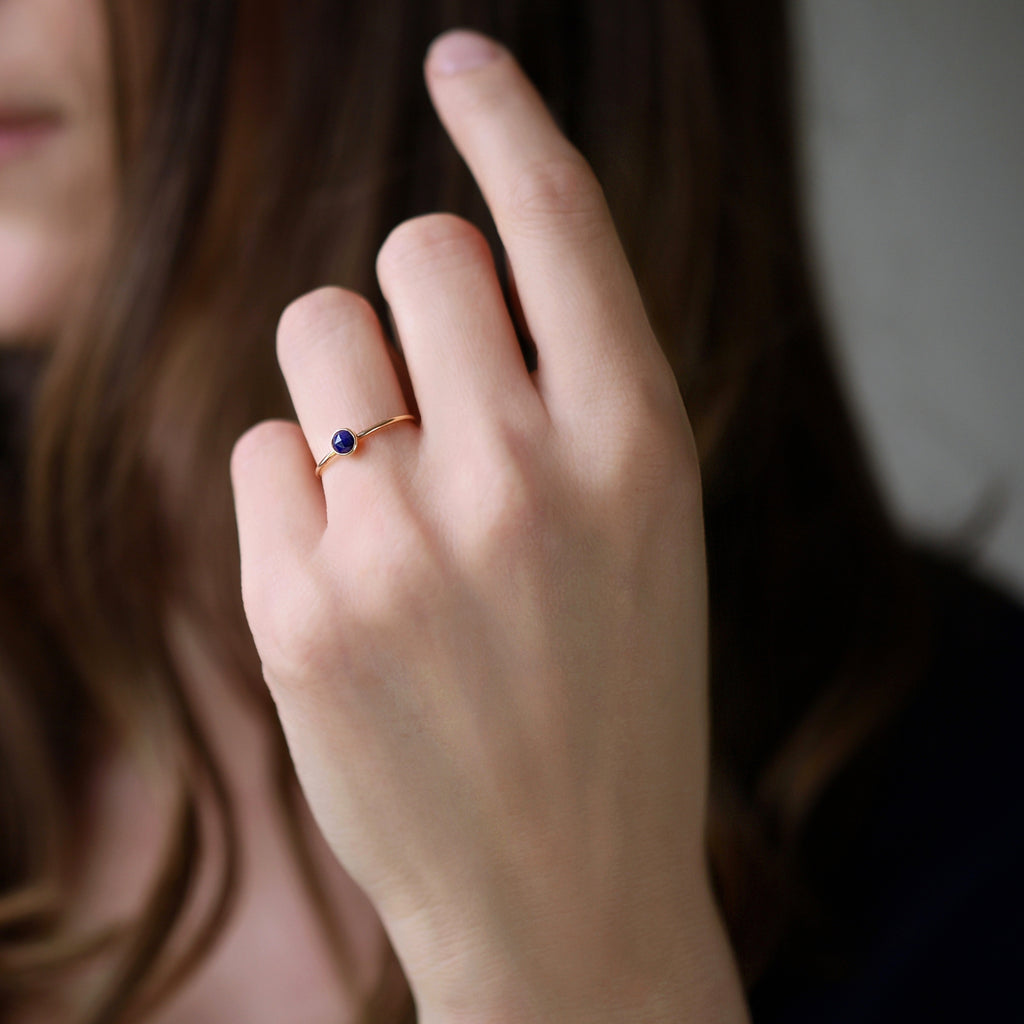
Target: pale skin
(486,633)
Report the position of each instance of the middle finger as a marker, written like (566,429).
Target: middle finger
(581,303)
(460,347)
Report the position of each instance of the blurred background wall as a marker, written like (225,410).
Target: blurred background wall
(913,114)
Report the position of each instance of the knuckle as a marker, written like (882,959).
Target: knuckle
(322,313)
(562,187)
(505,514)
(654,462)
(390,562)
(251,445)
(287,627)
(435,241)
(262,446)
(396,582)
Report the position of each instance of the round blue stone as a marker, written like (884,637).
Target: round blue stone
(343,442)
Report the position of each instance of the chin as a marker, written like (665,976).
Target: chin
(36,282)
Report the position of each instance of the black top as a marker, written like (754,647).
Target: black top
(933,881)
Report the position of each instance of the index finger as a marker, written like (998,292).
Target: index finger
(578,295)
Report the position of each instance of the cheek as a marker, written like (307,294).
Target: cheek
(57,199)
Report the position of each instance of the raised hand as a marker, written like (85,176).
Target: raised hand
(486,631)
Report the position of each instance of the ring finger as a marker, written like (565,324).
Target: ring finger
(336,364)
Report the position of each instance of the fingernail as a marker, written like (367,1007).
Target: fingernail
(459,50)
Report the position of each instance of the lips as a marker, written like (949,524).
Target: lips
(23,129)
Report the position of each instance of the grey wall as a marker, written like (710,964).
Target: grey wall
(914,157)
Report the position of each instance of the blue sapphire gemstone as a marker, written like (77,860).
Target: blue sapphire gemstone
(343,442)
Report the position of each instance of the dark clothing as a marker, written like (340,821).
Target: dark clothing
(933,880)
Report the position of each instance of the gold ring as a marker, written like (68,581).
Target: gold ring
(345,441)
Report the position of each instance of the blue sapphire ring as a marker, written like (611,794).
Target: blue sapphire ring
(346,441)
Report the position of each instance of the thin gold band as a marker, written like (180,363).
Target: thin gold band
(356,437)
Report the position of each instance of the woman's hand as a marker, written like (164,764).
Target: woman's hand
(486,634)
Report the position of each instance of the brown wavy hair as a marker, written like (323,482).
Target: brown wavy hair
(268,148)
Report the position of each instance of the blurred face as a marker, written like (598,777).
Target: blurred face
(57,159)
